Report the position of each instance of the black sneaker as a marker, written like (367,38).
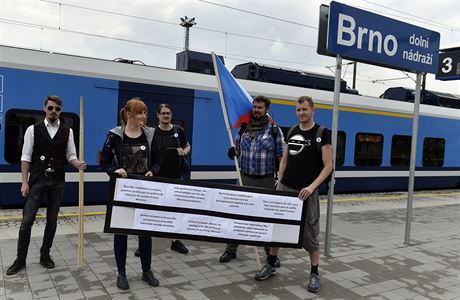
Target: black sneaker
(277,263)
(17,266)
(227,256)
(122,282)
(46,261)
(150,278)
(178,247)
(137,253)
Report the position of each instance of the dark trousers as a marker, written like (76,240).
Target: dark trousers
(54,190)
(120,243)
(265,182)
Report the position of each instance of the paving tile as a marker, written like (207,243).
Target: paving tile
(368,261)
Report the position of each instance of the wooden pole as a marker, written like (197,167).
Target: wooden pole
(227,125)
(81,191)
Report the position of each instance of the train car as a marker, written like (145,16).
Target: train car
(373,141)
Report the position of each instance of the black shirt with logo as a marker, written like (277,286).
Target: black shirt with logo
(304,161)
(165,141)
(135,154)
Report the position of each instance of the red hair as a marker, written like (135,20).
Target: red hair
(134,106)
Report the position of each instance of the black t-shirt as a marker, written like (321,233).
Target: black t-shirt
(166,143)
(304,162)
(135,154)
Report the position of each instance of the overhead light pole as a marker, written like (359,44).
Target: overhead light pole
(187,23)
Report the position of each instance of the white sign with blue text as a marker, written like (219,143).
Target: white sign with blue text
(364,36)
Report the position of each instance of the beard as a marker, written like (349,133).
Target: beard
(53,118)
(257,116)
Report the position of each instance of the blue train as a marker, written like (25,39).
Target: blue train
(373,142)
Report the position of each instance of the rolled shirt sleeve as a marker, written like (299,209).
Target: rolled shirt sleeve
(71,152)
(28,146)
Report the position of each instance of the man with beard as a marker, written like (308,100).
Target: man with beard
(306,163)
(259,145)
(48,145)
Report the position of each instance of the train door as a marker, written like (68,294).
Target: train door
(181,101)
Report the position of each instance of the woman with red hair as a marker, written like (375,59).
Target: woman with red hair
(128,150)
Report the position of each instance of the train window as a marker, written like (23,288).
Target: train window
(16,123)
(433,152)
(400,150)
(368,149)
(341,139)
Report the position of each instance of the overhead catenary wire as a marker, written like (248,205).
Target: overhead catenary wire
(418,18)
(164,46)
(406,18)
(40,26)
(367,78)
(258,14)
(175,48)
(176,23)
(233,56)
(412,15)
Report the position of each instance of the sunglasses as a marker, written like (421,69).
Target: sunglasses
(56,108)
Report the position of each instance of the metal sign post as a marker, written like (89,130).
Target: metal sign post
(413,151)
(359,35)
(335,126)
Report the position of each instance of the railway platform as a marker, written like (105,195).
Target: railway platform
(368,258)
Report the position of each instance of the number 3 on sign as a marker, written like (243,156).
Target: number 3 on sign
(447,65)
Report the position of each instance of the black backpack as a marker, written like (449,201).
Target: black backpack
(319,134)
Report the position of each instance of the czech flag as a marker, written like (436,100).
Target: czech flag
(237,101)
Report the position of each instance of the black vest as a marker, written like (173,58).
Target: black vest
(49,152)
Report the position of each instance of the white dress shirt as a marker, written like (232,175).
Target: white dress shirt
(27,149)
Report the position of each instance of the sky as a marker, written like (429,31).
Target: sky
(270,32)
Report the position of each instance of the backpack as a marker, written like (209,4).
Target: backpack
(319,134)
(274,132)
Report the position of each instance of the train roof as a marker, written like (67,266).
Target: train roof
(36,60)
(429,97)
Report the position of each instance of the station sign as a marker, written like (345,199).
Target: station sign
(449,64)
(363,36)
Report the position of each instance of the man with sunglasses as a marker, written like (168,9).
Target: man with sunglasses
(48,145)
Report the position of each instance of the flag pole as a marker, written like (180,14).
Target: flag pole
(227,125)
(81,191)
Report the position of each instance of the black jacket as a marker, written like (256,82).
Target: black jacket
(111,152)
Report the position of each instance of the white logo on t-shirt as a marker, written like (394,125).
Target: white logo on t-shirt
(297,143)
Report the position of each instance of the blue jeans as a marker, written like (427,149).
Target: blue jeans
(54,190)
(120,243)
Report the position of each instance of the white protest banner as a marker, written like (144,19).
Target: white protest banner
(205,211)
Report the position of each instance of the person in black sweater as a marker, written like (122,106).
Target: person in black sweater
(170,142)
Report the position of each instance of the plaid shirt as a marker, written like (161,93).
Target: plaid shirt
(256,156)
